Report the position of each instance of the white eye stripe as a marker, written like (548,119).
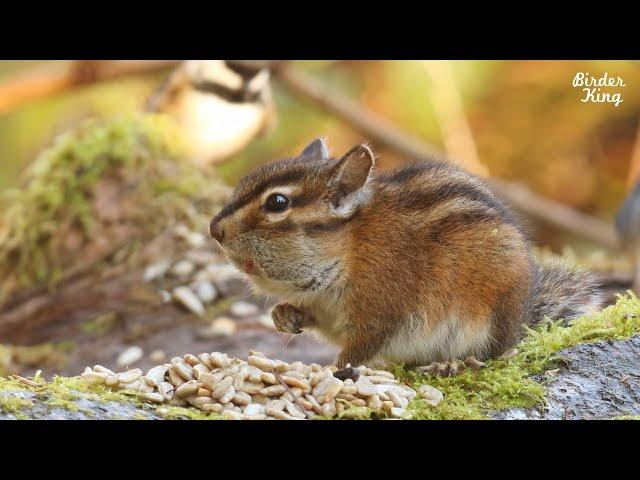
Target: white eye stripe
(276,217)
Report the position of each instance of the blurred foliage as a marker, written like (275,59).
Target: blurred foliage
(29,129)
(14,358)
(100,183)
(532,126)
(527,121)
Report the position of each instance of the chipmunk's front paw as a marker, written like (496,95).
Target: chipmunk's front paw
(451,368)
(287,318)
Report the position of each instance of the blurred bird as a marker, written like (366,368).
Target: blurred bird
(628,227)
(220,104)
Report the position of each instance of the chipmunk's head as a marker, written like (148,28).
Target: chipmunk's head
(284,223)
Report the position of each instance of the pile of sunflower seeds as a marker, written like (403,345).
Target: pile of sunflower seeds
(262,388)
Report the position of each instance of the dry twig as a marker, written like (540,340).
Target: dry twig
(26,381)
(295,399)
(54,78)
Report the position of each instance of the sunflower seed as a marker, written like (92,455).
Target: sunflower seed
(199,369)
(151,397)
(206,291)
(182,269)
(130,375)
(262,363)
(241,398)
(184,296)
(274,407)
(431,395)
(156,270)
(221,388)
(191,359)
(101,369)
(327,388)
(187,389)
(129,356)
(365,387)
(397,412)
(212,407)
(243,309)
(183,369)
(219,359)
(95,377)
(273,391)
(199,402)
(157,374)
(228,395)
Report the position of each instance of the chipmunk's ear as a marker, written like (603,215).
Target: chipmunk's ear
(316,150)
(350,174)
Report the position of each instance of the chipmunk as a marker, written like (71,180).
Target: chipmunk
(420,265)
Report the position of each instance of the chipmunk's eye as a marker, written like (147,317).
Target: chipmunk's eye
(276,203)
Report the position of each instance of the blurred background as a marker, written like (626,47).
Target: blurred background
(71,297)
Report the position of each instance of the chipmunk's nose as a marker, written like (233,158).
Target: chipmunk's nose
(216,230)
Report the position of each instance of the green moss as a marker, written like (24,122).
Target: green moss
(40,355)
(65,390)
(15,405)
(356,413)
(12,404)
(70,388)
(144,151)
(506,383)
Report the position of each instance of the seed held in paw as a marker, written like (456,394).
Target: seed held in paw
(431,395)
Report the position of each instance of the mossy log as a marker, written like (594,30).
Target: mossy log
(598,380)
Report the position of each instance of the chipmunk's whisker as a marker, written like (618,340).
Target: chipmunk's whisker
(291,337)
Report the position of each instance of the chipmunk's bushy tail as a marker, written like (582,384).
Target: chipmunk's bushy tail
(563,291)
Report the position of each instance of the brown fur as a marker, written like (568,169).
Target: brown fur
(423,264)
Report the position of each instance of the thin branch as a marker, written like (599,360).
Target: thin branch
(26,381)
(54,78)
(556,214)
(384,132)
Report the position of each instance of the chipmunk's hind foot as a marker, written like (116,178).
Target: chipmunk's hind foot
(450,368)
